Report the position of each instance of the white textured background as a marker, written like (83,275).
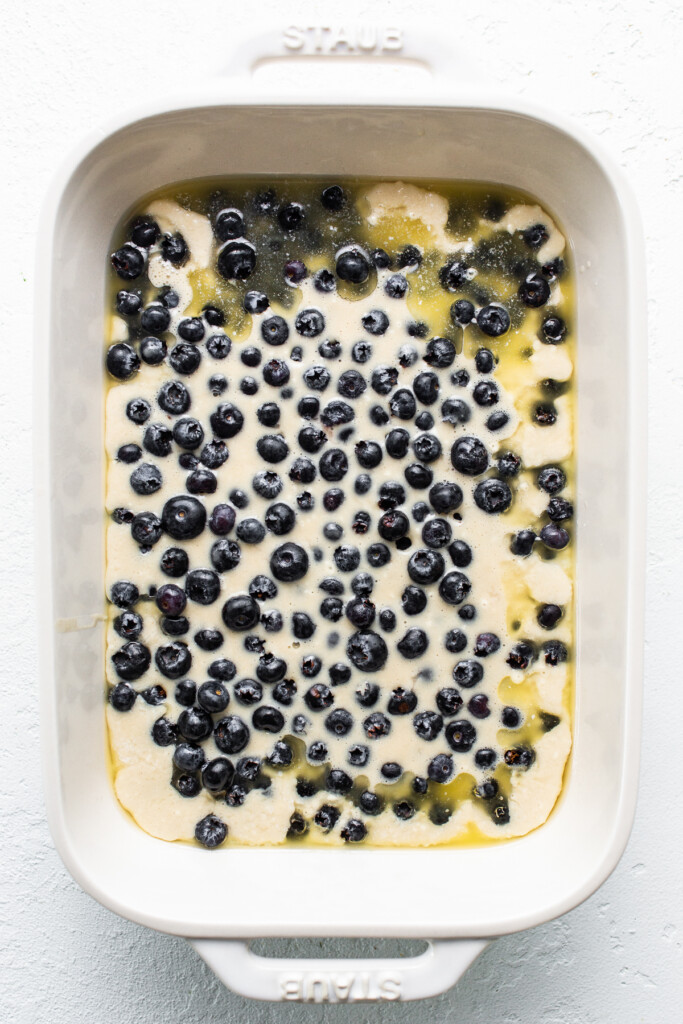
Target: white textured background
(616,68)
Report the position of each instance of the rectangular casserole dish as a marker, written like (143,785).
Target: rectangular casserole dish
(447,131)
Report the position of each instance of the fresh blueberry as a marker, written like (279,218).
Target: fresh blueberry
(428,725)
(333,465)
(289,563)
(128,262)
(493,496)
(402,404)
(462,312)
(418,476)
(453,275)
(534,291)
(469,456)
(122,361)
(553,330)
(231,734)
(426,566)
(378,555)
(174,249)
(493,320)
(352,266)
(460,735)
(554,537)
(413,644)
(426,447)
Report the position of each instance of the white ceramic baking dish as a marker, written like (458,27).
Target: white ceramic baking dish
(458,898)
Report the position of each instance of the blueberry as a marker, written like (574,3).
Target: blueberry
(317,751)
(485,644)
(436,533)
(378,555)
(485,393)
(333,498)
(440,352)
(521,655)
(426,447)
(347,558)
(175,627)
(289,563)
(545,415)
(375,322)
(302,471)
(268,719)
(240,612)
(420,511)
(339,722)
(267,484)
(393,524)
(202,586)
(164,733)
(413,600)
(248,385)
(428,725)
(128,262)
(478,706)
(122,697)
(454,587)
(418,476)
(336,413)
(213,316)
(424,421)
(231,734)
(493,496)
(337,781)
(303,626)
(548,616)
(333,198)
(174,398)
(360,612)
(291,216)
(453,275)
(183,517)
(157,439)
(402,404)
(188,461)
(208,639)
(124,594)
(226,421)
(396,286)
(551,479)
(351,384)
(413,644)
(329,349)
(460,735)
(280,518)
(468,673)
(155,318)
(534,291)
(333,465)
(376,725)
(146,529)
(362,484)
(191,329)
(523,542)
(511,717)
(519,757)
(332,585)
(188,433)
(352,266)
(174,660)
(189,757)
(440,769)
(426,566)
(553,330)
(494,321)
(554,537)
(272,448)
(248,692)
(153,350)
(401,702)
(469,456)
(236,261)
(397,443)
(448,701)
(270,668)
(554,652)
(174,249)
(217,774)
(462,312)
(171,599)
(309,323)
(128,626)
(281,756)
(144,232)
(559,509)
(122,361)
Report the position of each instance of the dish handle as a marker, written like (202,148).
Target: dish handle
(339,981)
(364,41)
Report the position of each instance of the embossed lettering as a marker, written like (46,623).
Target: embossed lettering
(316,989)
(393,39)
(293,38)
(341,987)
(389,986)
(291,987)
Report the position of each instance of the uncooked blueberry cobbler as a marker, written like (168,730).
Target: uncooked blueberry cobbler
(339,427)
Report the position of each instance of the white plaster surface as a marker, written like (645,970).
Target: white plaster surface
(615,67)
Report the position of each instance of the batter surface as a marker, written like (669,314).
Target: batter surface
(339,548)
